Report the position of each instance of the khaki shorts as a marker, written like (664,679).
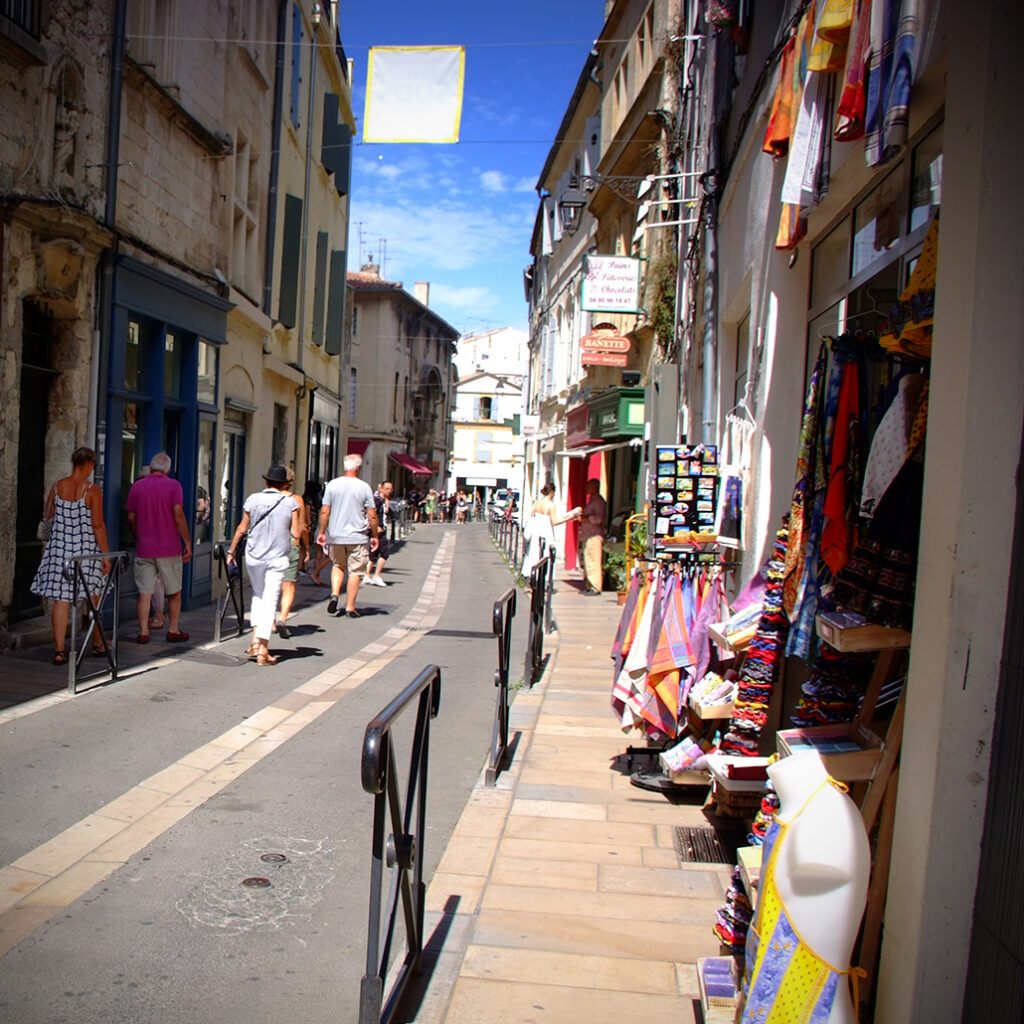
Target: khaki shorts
(168,569)
(354,557)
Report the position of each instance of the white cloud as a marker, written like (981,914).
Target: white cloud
(494,181)
(525,185)
(469,297)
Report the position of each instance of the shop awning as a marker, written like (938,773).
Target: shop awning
(580,453)
(358,445)
(409,463)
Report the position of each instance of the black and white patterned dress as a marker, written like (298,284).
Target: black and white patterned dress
(71,535)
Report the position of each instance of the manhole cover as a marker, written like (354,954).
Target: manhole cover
(273,858)
(256,883)
(705,845)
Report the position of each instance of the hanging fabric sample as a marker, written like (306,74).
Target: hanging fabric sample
(908,331)
(852,106)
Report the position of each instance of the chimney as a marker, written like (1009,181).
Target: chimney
(370,268)
(421,292)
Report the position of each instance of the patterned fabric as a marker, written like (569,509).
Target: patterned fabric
(780,121)
(839,533)
(890,76)
(908,331)
(851,111)
(786,981)
(72,535)
(761,665)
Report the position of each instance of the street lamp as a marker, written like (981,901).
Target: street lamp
(570,207)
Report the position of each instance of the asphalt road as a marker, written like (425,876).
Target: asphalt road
(173,935)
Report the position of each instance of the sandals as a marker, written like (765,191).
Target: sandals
(60,657)
(252,651)
(267,659)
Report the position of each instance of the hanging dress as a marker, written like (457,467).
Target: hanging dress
(71,535)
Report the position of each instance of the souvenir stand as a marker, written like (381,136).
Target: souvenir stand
(836,593)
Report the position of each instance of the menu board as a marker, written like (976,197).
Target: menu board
(686,490)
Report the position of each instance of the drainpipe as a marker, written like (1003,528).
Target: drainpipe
(275,157)
(710,183)
(104,339)
(301,391)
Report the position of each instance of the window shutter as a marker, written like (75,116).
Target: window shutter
(336,145)
(336,302)
(319,287)
(291,241)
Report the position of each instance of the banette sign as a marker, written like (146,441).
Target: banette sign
(611,284)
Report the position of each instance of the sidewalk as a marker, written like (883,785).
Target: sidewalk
(560,896)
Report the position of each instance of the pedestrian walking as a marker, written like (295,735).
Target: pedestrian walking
(430,506)
(74,510)
(591,537)
(348,523)
(159,598)
(297,558)
(163,545)
(269,524)
(382,502)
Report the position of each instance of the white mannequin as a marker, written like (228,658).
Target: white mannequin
(823,866)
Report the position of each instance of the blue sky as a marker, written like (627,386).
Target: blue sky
(460,215)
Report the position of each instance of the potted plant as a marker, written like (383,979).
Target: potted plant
(615,565)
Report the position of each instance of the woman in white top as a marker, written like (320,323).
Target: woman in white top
(270,521)
(541,526)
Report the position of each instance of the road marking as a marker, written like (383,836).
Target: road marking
(38,885)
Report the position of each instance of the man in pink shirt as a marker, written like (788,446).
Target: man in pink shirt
(156,514)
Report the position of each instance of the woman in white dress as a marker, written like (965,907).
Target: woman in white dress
(541,526)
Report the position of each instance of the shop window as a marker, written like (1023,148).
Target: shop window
(203,527)
(830,269)
(879,221)
(136,356)
(926,182)
(132,461)
(172,365)
(206,386)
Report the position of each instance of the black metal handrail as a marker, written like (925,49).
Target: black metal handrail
(230,587)
(403,849)
(535,636)
(501,626)
(549,588)
(73,572)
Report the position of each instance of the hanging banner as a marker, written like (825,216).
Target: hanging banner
(604,359)
(611,284)
(414,93)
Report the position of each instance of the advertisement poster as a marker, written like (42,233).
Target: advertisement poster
(611,284)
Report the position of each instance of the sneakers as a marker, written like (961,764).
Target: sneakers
(350,614)
(375,581)
(283,631)
(332,605)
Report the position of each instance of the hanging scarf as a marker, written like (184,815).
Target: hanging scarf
(850,112)
(890,76)
(780,120)
(839,534)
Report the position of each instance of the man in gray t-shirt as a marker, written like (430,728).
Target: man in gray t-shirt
(348,523)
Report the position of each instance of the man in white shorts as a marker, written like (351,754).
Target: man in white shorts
(348,523)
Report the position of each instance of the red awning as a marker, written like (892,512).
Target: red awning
(357,445)
(409,463)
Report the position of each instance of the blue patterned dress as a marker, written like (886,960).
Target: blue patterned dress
(71,535)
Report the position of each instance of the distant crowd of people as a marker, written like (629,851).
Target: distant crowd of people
(436,507)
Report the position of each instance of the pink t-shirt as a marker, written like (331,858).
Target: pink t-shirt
(152,499)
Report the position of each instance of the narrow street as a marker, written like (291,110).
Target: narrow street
(134,812)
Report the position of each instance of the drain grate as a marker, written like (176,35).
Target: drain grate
(705,845)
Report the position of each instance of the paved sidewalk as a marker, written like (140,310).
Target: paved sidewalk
(560,896)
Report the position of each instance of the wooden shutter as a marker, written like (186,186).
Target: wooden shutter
(291,241)
(336,302)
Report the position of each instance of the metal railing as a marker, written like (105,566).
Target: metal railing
(539,598)
(403,848)
(549,588)
(507,535)
(501,626)
(230,589)
(74,573)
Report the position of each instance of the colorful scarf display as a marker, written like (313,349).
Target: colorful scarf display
(890,76)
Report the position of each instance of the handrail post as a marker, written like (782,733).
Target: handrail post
(402,850)
(501,626)
(535,637)
(234,591)
(119,562)
(549,622)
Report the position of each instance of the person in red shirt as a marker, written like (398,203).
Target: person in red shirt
(156,514)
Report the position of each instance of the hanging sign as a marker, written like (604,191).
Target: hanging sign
(604,338)
(611,284)
(604,359)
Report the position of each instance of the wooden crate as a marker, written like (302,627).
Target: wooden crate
(850,751)
(847,631)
